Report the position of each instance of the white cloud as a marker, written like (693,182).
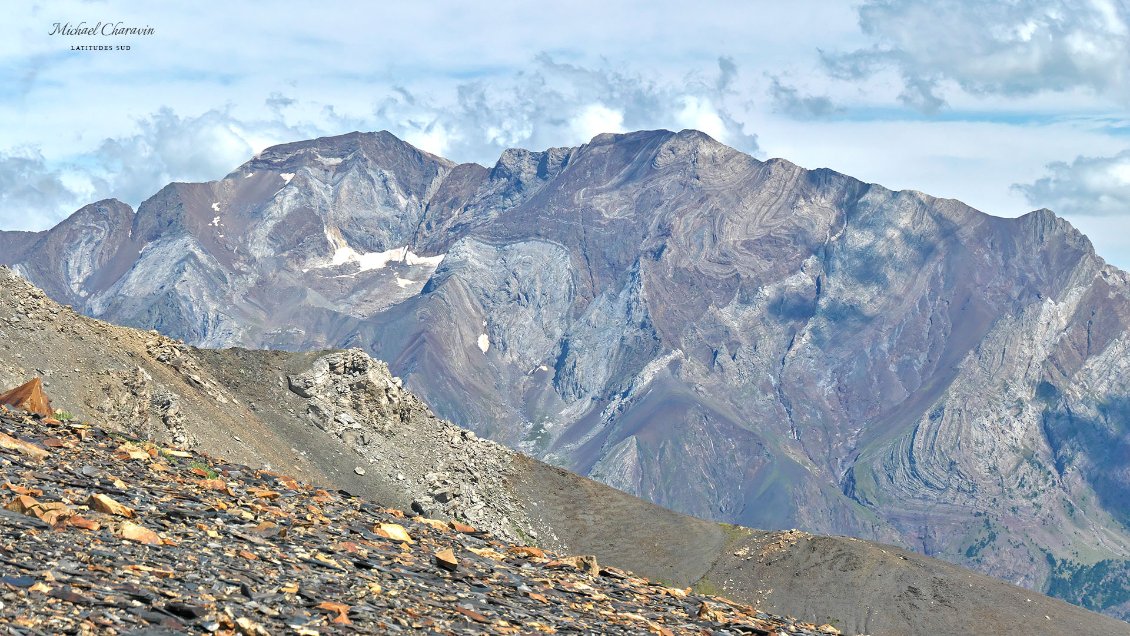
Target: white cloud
(973,161)
(36,192)
(433,138)
(595,119)
(31,190)
(1008,48)
(552,103)
(699,114)
(1088,186)
(168,147)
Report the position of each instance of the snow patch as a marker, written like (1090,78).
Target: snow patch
(287,176)
(379,260)
(369,260)
(430,261)
(215,221)
(249,175)
(404,282)
(216,207)
(484,343)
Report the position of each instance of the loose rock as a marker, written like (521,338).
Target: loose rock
(235,556)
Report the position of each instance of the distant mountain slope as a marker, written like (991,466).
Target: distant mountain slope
(735,339)
(324,415)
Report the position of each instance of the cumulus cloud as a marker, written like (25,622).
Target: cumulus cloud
(555,103)
(31,190)
(168,147)
(549,104)
(1088,186)
(595,119)
(790,101)
(36,192)
(1015,48)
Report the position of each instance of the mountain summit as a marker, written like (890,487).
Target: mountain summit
(737,339)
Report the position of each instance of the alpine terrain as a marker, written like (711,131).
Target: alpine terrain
(739,340)
(108,525)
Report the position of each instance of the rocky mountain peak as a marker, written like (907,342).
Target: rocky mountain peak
(80,253)
(520,166)
(1045,225)
(105,211)
(695,141)
(626,138)
(664,146)
(379,147)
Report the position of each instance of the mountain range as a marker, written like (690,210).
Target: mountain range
(269,409)
(740,340)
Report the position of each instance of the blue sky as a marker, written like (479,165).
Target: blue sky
(1008,106)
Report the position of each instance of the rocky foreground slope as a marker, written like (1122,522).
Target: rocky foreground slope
(741,340)
(100,535)
(341,419)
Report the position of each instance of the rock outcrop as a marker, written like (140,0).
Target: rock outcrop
(355,398)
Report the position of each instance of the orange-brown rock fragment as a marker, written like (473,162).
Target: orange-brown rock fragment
(527,551)
(393,531)
(105,504)
(49,512)
(586,564)
(22,504)
(446,560)
(140,534)
(83,523)
(462,527)
(22,447)
(342,610)
(29,397)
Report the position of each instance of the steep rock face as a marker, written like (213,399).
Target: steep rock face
(294,227)
(743,340)
(78,256)
(14,244)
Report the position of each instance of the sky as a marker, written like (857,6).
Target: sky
(1009,106)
